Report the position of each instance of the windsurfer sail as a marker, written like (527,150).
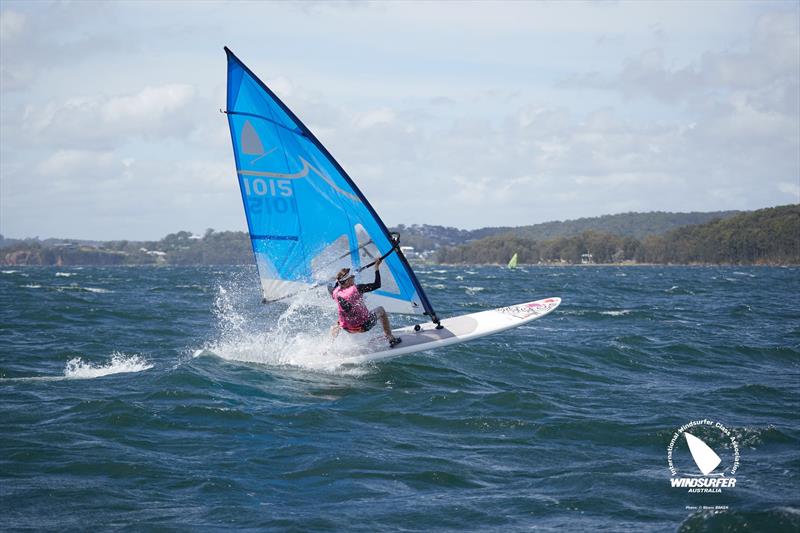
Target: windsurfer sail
(306,217)
(513,262)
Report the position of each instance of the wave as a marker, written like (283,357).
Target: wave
(76,368)
(76,287)
(604,314)
(676,289)
(775,519)
(64,274)
(299,337)
(120,363)
(472,290)
(621,312)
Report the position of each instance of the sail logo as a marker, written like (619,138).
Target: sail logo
(258,183)
(532,308)
(702,468)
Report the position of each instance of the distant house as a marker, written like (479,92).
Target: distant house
(409,251)
(160,257)
(587,259)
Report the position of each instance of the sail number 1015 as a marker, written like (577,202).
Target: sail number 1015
(268,195)
(267,187)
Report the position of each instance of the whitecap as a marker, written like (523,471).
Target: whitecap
(621,312)
(31,286)
(9,271)
(64,274)
(76,368)
(76,287)
(472,290)
(120,363)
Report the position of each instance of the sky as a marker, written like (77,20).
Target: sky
(466,114)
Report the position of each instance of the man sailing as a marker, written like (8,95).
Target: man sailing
(354,317)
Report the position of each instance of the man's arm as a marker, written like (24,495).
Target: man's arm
(369,287)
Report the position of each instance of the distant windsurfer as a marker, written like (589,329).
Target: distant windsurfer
(354,317)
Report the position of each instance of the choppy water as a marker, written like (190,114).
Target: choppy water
(150,398)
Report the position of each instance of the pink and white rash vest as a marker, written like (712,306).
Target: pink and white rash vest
(358,313)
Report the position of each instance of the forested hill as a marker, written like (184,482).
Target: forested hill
(639,225)
(763,236)
(766,236)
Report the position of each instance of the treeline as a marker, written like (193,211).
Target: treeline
(637,225)
(182,248)
(430,237)
(766,236)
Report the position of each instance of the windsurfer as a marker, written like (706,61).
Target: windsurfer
(354,317)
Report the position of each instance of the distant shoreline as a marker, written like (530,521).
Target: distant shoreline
(768,237)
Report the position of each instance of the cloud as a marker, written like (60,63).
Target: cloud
(149,105)
(70,163)
(769,59)
(108,122)
(110,195)
(373,118)
(39,39)
(467,125)
(281,86)
(12,24)
(791,189)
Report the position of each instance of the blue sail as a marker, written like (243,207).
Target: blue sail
(306,217)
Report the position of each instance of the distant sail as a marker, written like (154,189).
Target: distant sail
(513,262)
(704,457)
(306,217)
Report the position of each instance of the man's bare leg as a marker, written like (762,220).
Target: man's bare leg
(387,329)
(335,331)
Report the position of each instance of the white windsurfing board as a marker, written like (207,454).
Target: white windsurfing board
(454,330)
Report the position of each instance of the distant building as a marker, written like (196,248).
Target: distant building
(409,252)
(587,259)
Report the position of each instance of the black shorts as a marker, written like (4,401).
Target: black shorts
(368,324)
(372,319)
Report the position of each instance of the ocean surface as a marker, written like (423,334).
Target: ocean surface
(171,399)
